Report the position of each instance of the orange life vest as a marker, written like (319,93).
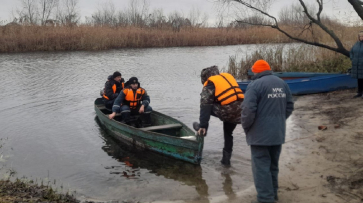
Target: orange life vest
(114,88)
(133,100)
(226,88)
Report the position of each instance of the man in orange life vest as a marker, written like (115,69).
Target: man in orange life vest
(133,99)
(220,97)
(113,87)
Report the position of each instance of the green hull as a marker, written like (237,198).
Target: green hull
(180,142)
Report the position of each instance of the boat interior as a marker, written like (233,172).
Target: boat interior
(159,124)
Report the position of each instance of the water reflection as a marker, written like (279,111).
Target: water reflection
(227,186)
(133,160)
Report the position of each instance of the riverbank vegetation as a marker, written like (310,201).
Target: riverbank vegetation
(22,191)
(84,37)
(297,58)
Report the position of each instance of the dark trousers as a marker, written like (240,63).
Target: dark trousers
(108,103)
(126,112)
(228,138)
(360,86)
(265,169)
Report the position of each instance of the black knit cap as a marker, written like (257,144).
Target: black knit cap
(116,74)
(133,80)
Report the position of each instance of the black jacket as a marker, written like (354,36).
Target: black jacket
(108,88)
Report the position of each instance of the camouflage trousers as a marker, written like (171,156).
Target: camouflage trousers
(228,113)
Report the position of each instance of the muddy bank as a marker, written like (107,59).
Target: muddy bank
(321,164)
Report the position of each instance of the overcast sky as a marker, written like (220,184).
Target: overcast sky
(339,9)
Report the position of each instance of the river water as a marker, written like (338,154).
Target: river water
(50,134)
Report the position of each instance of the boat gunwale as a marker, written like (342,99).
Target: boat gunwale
(307,79)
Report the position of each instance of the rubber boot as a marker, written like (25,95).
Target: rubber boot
(146,118)
(226,159)
(359,94)
(125,117)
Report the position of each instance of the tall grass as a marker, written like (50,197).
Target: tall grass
(23,38)
(18,38)
(283,58)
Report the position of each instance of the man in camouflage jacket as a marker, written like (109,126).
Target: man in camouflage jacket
(230,114)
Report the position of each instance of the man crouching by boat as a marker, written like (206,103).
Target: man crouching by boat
(134,100)
(220,97)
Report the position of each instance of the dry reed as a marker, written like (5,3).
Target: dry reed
(299,58)
(18,38)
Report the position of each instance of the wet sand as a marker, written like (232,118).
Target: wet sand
(320,165)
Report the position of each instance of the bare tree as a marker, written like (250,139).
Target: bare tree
(177,20)
(314,21)
(67,12)
(45,9)
(122,19)
(294,15)
(220,22)
(138,10)
(358,7)
(28,12)
(196,18)
(156,19)
(105,15)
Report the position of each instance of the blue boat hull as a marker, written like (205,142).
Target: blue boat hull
(317,84)
(295,75)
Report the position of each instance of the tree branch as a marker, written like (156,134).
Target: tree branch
(323,27)
(320,3)
(357,5)
(256,9)
(339,50)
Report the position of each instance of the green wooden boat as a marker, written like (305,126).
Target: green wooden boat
(166,135)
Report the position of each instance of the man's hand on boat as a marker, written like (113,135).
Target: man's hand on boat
(142,109)
(112,115)
(202,132)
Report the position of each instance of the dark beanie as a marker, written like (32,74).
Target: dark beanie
(116,74)
(133,80)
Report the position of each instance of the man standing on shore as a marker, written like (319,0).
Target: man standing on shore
(267,105)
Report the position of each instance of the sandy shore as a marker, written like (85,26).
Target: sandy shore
(321,165)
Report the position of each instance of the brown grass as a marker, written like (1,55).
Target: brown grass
(42,38)
(301,58)
(17,38)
